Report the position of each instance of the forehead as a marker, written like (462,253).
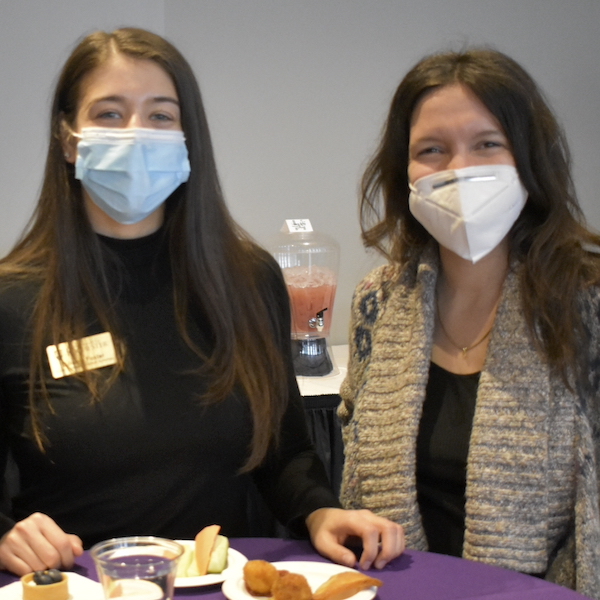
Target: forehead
(123,75)
(451,105)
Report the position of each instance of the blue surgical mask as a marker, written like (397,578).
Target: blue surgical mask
(129,173)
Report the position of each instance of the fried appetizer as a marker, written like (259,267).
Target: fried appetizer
(291,586)
(259,577)
(346,584)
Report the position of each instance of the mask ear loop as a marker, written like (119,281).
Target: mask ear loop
(67,134)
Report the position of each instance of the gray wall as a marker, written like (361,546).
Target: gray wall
(297,91)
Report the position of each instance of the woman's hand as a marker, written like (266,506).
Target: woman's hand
(331,528)
(38,543)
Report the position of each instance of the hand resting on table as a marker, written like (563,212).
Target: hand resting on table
(38,543)
(331,528)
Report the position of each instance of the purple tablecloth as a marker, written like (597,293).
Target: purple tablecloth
(413,576)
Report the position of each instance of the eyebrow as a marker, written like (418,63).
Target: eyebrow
(155,99)
(495,131)
(166,99)
(427,138)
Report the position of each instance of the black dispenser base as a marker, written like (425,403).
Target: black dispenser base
(311,358)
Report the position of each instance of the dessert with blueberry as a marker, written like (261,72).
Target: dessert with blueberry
(50,584)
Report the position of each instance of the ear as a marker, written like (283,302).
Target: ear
(68,142)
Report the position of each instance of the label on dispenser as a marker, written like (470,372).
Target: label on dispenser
(297,226)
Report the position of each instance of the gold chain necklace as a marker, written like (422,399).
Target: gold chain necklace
(463,349)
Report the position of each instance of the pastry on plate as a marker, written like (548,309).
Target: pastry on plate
(344,585)
(291,586)
(45,585)
(259,577)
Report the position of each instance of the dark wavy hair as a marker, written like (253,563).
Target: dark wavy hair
(215,265)
(549,239)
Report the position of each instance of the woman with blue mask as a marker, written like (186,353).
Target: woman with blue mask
(146,381)
(474,353)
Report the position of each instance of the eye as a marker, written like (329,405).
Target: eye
(107,118)
(162,117)
(430,150)
(109,114)
(431,153)
(491,144)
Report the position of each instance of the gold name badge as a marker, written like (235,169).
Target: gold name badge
(91,352)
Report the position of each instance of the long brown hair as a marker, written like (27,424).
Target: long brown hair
(215,265)
(550,238)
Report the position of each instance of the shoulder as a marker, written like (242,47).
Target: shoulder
(370,295)
(384,279)
(263,273)
(589,306)
(18,295)
(374,290)
(590,296)
(378,278)
(368,304)
(17,303)
(265,270)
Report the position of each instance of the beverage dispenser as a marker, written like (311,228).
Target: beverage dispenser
(309,261)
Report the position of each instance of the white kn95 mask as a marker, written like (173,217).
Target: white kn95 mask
(470,210)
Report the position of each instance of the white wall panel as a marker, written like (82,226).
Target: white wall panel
(296,93)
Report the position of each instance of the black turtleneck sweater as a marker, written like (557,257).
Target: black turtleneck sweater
(150,457)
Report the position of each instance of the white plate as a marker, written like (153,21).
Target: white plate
(80,588)
(235,561)
(316,573)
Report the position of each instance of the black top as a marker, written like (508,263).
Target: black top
(442,449)
(151,457)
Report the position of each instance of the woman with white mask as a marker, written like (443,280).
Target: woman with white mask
(475,352)
(146,381)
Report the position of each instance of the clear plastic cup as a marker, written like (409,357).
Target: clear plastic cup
(139,567)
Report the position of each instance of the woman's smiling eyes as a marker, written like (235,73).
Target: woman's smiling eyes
(491,144)
(481,146)
(429,150)
(123,116)
(111,115)
(108,115)
(162,117)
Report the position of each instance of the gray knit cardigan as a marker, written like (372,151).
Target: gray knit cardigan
(532,478)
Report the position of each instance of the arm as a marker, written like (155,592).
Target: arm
(6,521)
(332,530)
(368,302)
(348,389)
(36,542)
(298,491)
(294,481)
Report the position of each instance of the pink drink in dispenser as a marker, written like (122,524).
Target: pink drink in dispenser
(311,291)
(309,262)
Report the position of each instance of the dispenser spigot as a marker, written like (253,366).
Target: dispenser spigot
(317,322)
